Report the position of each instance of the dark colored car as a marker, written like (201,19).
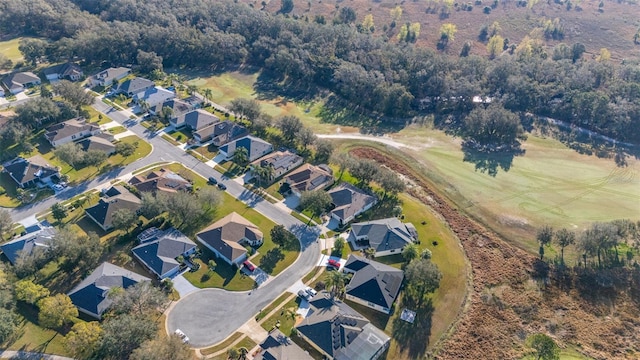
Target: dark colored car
(213,181)
(222,186)
(249,265)
(334,263)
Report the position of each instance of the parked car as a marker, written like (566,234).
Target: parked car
(183,336)
(309,290)
(334,263)
(213,181)
(222,186)
(249,265)
(303,294)
(57,187)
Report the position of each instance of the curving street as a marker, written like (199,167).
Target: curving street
(206,316)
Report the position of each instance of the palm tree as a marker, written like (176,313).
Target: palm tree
(241,156)
(336,281)
(191,89)
(369,253)
(144,105)
(207,94)
(264,174)
(410,252)
(243,353)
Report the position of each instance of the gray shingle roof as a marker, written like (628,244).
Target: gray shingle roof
(308,178)
(91,294)
(384,234)
(282,161)
(135,85)
(97,143)
(335,327)
(63,70)
(349,200)
(160,255)
(103,211)
(20,79)
(373,281)
(198,119)
(25,170)
(39,239)
(155,95)
(68,128)
(256,147)
(279,347)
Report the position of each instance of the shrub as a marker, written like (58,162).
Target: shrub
(2,191)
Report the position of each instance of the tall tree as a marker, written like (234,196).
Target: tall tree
(564,238)
(33,50)
(149,62)
(306,137)
(9,321)
(241,156)
(56,311)
(245,108)
(6,223)
(73,93)
(84,339)
(124,333)
(283,237)
(422,278)
(315,201)
(324,150)
(410,252)
(71,153)
(124,219)
(389,181)
(495,45)
(493,127)
(59,212)
(126,149)
(290,126)
(544,237)
(159,348)
(77,249)
(545,347)
(336,281)
(30,292)
(138,299)
(364,170)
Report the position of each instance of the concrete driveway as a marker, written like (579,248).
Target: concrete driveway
(183,286)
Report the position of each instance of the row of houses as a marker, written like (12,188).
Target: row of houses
(20,81)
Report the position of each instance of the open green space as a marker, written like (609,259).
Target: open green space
(116,130)
(209,152)
(224,276)
(550,184)
(241,84)
(181,136)
(285,319)
(9,48)
(29,336)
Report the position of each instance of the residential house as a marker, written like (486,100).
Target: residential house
(116,198)
(280,161)
(159,253)
(228,236)
(178,107)
(19,82)
(100,142)
(154,96)
(220,133)
(198,119)
(339,332)
(256,147)
(134,86)
(38,238)
(160,180)
(30,172)
(91,295)
(70,130)
(108,76)
(308,178)
(349,201)
(277,346)
(373,284)
(385,236)
(67,71)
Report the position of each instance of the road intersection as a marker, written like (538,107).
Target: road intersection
(207,316)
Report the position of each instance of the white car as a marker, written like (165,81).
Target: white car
(310,291)
(303,294)
(183,336)
(58,187)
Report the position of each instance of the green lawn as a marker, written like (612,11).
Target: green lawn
(273,190)
(95,116)
(117,130)
(222,345)
(9,49)
(231,85)
(208,152)
(181,136)
(170,139)
(283,317)
(225,276)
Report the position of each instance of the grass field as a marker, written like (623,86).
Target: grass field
(236,84)
(549,184)
(9,49)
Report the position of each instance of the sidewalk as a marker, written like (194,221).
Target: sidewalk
(9,354)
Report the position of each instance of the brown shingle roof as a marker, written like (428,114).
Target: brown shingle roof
(68,128)
(162,180)
(225,235)
(308,178)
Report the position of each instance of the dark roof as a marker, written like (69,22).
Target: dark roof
(63,70)
(178,107)
(277,346)
(91,294)
(155,95)
(135,85)
(160,255)
(349,200)
(308,178)
(108,75)
(68,128)
(20,79)
(198,119)
(222,132)
(335,327)
(97,143)
(280,160)
(103,211)
(225,234)
(374,282)
(256,147)
(25,170)
(38,239)
(163,180)
(384,234)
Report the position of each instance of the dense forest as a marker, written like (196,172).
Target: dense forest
(394,80)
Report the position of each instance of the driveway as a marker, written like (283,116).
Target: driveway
(183,286)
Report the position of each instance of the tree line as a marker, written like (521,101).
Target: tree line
(391,79)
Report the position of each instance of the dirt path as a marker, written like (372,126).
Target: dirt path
(379,139)
(506,305)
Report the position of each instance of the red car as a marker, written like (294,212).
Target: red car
(334,263)
(249,265)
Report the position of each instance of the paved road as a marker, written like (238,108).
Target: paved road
(206,316)
(24,355)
